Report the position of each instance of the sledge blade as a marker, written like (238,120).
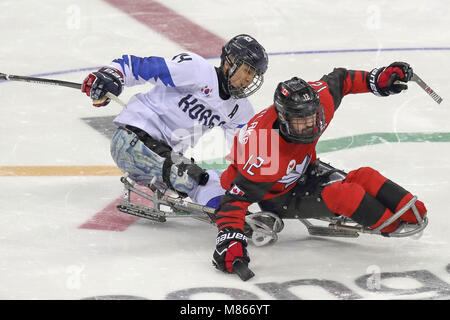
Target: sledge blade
(140,211)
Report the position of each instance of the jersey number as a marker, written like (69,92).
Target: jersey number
(257,164)
(318,84)
(182,57)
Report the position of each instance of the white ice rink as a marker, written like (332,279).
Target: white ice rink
(58,183)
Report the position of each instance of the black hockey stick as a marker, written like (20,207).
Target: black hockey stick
(10,77)
(415,78)
(242,270)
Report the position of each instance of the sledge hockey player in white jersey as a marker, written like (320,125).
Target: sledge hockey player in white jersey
(189,98)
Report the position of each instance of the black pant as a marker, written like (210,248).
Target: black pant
(157,146)
(304,201)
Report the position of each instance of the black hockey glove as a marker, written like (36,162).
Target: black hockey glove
(383,81)
(230,246)
(97,84)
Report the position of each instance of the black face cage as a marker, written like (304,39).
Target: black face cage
(305,137)
(244,92)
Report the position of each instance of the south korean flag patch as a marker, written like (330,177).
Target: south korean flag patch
(206,91)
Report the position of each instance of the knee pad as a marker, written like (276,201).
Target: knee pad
(179,172)
(351,200)
(370,179)
(199,175)
(343,198)
(187,166)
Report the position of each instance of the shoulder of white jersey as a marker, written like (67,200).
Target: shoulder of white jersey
(188,68)
(187,58)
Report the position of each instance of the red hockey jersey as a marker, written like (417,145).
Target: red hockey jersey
(263,164)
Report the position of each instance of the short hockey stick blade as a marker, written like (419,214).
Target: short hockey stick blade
(242,270)
(426,88)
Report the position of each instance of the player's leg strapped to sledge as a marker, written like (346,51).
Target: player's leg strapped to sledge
(144,158)
(363,195)
(370,199)
(390,194)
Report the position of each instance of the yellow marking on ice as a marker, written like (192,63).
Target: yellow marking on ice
(33,171)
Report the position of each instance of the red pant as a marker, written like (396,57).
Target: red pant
(369,199)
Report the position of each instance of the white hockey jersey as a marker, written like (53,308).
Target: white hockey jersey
(184,104)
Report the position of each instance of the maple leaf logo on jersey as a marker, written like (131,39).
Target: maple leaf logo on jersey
(292,175)
(235,190)
(290,166)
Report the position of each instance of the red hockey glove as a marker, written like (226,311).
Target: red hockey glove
(97,84)
(383,81)
(230,245)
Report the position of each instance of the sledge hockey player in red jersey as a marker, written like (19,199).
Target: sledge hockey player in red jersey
(274,163)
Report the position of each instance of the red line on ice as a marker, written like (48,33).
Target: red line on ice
(111,219)
(172,25)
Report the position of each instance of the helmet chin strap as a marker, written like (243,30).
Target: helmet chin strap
(227,75)
(231,71)
(224,92)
